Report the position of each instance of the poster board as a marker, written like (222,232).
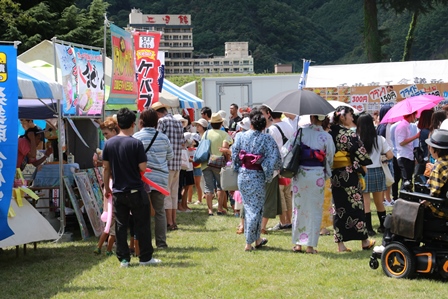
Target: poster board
(90,204)
(371,98)
(75,203)
(96,187)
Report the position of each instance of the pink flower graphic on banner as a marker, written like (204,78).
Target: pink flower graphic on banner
(303,237)
(320,182)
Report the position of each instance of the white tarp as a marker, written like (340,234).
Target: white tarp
(383,73)
(28,226)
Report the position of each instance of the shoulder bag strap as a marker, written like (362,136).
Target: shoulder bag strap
(281,132)
(152,141)
(299,132)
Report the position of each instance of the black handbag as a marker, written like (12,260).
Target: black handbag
(291,162)
(418,155)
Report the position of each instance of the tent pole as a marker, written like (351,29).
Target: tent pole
(61,172)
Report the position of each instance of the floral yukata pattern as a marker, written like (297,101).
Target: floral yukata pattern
(251,183)
(348,217)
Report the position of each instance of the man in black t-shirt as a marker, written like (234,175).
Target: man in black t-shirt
(124,159)
(234,117)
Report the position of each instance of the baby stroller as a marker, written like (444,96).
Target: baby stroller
(415,241)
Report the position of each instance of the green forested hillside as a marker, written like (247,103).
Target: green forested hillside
(278,31)
(326,31)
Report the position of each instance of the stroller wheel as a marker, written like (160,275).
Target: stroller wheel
(373,263)
(397,261)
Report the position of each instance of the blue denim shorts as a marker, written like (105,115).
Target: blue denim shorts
(197,171)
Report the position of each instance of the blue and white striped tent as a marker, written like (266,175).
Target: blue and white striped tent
(186,99)
(35,85)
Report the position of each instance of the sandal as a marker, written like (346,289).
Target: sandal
(297,249)
(324,232)
(345,250)
(240,230)
(314,251)
(262,243)
(371,244)
(249,249)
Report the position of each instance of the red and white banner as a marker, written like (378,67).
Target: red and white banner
(146,46)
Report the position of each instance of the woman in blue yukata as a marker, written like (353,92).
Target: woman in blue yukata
(255,156)
(316,160)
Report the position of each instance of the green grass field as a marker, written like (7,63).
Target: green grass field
(206,259)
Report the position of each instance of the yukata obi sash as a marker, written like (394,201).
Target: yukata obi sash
(341,159)
(250,161)
(311,157)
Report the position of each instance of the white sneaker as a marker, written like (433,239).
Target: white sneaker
(124,264)
(152,261)
(378,249)
(388,203)
(215,205)
(277,227)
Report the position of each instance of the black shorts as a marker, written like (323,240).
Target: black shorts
(186,178)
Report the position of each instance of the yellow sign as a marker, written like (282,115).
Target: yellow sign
(3,70)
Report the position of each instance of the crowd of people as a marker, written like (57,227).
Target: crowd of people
(343,150)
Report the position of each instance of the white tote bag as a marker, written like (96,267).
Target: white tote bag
(229,179)
(389,178)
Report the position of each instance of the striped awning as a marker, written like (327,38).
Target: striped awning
(186,99)
(35,85)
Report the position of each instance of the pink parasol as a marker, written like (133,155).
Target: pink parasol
(409,106)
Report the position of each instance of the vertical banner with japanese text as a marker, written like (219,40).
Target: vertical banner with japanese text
(161,71)
(8,132)
(146,48)
(69,73)
(123,83)
(90,82)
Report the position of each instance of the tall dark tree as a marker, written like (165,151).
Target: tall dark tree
(415,8)
(371,35)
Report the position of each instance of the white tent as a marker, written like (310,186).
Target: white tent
(41,58)
(383,73)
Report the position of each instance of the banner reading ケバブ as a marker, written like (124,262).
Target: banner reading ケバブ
(8,132)
(124,84)
(146,48)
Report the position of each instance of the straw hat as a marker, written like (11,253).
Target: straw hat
(216,118)
(157,105)
(202,122)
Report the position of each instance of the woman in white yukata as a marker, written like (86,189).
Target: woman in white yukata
(309,184)
(255,156)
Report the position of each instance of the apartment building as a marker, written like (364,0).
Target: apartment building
(177,43)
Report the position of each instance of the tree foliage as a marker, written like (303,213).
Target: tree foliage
(415,8)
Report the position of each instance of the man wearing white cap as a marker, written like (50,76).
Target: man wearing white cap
(219,140)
